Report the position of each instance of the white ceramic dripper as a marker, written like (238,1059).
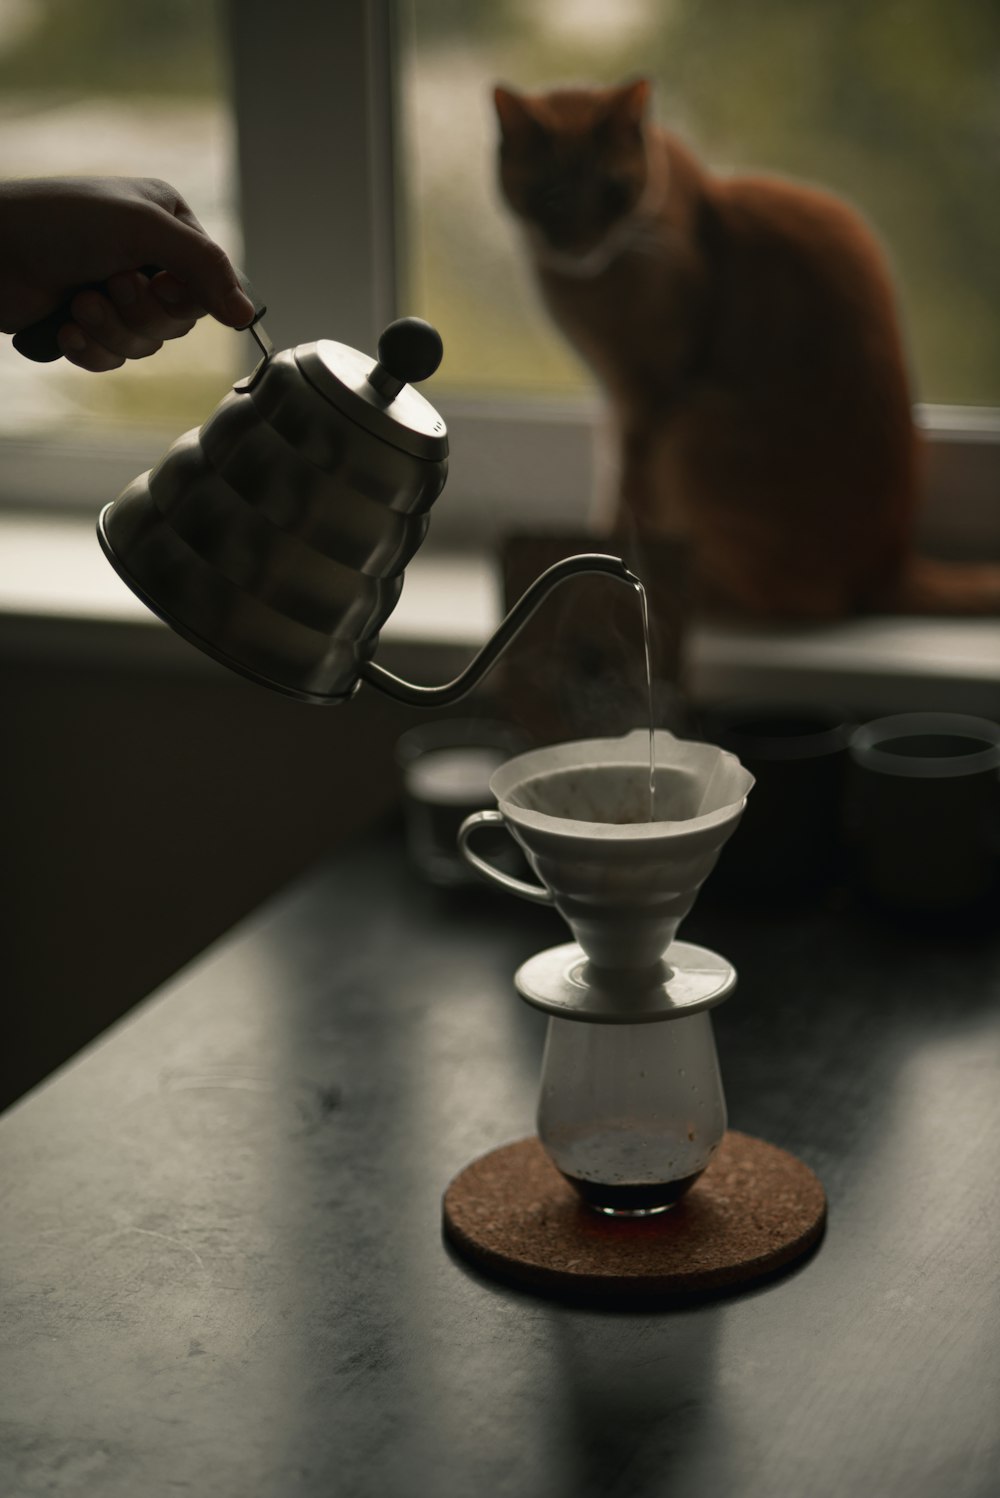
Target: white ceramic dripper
(630,1114)
(621,880)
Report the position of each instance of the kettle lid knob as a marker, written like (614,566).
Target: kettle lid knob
(408,350)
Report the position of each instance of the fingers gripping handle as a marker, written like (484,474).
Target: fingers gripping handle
(39,341)
(536,892)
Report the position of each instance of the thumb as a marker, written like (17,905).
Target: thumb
(199,263)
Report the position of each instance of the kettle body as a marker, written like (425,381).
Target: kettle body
(275,537)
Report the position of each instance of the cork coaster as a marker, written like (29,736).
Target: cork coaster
(755,1210)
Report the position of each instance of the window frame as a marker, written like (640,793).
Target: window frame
(512,460)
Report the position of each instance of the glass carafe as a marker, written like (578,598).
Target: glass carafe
(631,1114)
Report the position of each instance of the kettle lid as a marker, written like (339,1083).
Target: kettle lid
(379,394)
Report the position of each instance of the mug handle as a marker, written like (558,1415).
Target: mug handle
(536,892)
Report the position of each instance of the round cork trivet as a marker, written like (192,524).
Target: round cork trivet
(754,1211)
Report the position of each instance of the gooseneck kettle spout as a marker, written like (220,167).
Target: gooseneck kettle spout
(502,636)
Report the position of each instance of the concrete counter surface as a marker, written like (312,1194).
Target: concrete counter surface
(222,1260)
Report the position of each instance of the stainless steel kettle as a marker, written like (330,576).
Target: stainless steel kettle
(275,537)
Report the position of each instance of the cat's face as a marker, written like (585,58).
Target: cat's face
(573,162)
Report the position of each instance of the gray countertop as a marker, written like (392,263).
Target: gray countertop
(222,1263)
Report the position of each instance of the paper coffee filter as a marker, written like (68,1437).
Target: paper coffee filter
(697,785)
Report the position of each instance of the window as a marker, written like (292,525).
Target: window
(124,88)
(308,91)
(890,104)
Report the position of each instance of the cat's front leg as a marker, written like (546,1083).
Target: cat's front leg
(650,498)
(606,473)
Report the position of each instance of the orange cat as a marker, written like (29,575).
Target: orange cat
(745,333)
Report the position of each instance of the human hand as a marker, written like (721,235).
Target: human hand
(65,232)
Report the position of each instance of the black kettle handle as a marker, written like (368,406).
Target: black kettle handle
(38,340)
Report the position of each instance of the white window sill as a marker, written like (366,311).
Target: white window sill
(59,597)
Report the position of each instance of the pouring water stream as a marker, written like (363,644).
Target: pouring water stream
(649,696)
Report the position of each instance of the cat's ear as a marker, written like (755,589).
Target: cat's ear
(518,125)
(633,100)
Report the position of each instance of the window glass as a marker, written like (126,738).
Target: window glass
(123,88)
(893,105)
